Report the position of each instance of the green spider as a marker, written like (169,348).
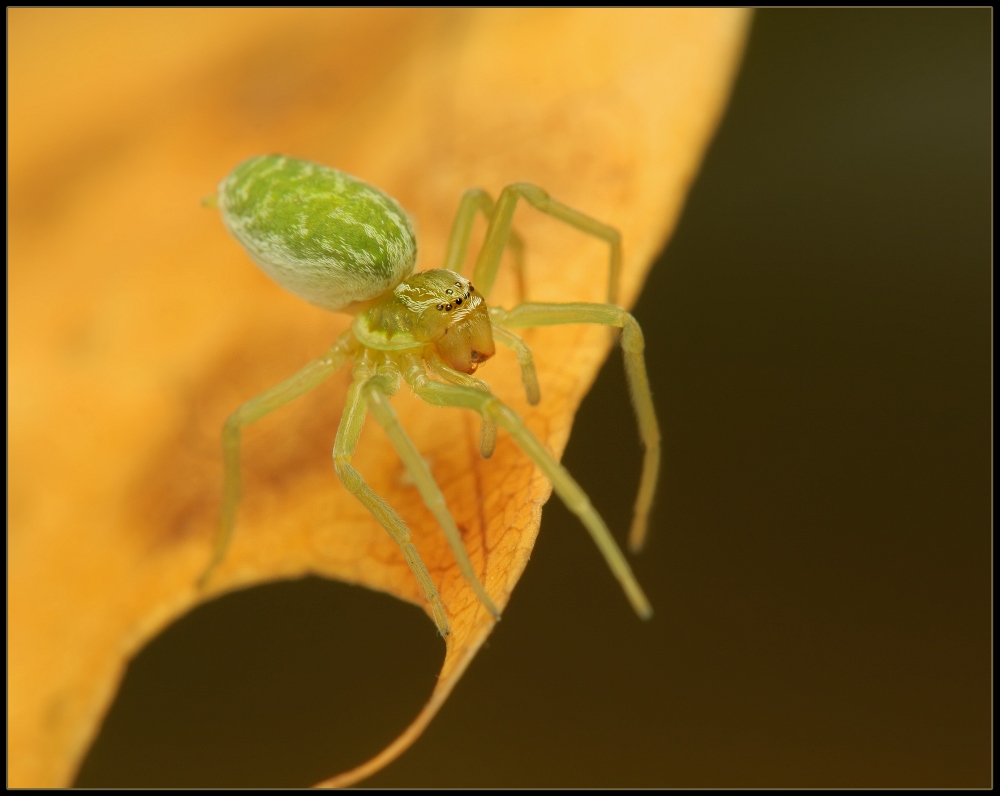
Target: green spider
(345,246)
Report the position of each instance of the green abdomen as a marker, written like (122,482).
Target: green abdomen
(319,233)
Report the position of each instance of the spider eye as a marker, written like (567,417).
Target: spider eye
(440,306)
(458,301)
(449,291)
(471,288)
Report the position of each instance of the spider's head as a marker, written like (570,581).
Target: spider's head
(452,315)
(468,342)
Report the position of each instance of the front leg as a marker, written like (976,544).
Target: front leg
(476,200)
(633,346)
(488,262)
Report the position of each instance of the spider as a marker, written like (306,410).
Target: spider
(346,246)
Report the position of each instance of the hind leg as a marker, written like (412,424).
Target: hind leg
(312,375)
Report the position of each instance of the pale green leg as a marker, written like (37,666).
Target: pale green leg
(302,382)
(351,423)
(382,411)
(476,200)
(488,435)
(638,383)
(488,261)
(572,495)
(525,359)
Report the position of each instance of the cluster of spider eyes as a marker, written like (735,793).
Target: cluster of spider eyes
(447,307)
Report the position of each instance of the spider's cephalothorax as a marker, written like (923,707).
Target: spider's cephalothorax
(346,246)
(436,307)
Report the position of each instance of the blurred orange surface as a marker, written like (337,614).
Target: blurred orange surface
(136,325)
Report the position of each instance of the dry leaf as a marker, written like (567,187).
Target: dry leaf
(137,325)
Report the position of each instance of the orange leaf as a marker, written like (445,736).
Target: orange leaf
(137,325)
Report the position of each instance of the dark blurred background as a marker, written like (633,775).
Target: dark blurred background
(819,337)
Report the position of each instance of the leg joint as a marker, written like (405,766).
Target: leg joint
(632,338)
(532,193)
(350,477)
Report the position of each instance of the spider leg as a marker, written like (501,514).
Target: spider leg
(476,200)
(524,358)
(302,382)
(488,436)
(497,234)
(638,383)
(572,495)
(377,396)
(351,423)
